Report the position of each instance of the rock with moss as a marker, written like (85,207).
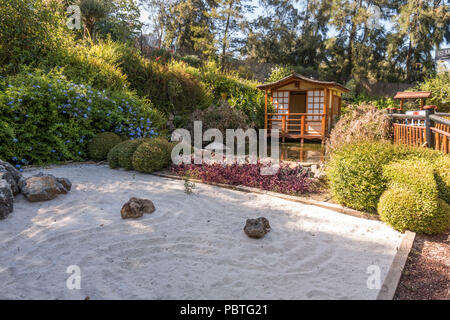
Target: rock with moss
(101,144)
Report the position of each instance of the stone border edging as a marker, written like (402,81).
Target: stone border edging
(322,204)
(394,274)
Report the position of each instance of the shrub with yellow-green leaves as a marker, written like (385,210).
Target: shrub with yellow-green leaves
(152,155)
(442,175)
(412,201)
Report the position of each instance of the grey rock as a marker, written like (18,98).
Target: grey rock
(135,208)
(6,199)
(43,187)
(257,228)
(65,182)
(11,175)
(8,177)
(10,168)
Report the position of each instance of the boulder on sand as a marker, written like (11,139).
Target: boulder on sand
(135,208)
(42,187)
(6,199)
(11,175)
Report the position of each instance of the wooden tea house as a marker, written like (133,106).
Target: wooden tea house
(304,108)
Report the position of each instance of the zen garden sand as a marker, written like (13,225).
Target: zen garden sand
(191,247)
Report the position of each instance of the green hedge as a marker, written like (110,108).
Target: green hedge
(412,200)
(355,171)
(101,144)
(355,174)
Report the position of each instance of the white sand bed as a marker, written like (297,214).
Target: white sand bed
(191,247)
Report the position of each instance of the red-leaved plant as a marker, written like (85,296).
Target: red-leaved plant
(286,180)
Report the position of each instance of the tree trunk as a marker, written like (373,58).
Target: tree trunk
(225,38)
(408,63)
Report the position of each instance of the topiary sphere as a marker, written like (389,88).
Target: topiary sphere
(113,155)
(404,209)
(101,144)
(152,155)
(126,153)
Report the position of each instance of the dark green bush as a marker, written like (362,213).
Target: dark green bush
(169,86)
(220,117)
(101,144)
(44,117)
(152,155)
(412,200)
(31,31)
(126,153)
(113,155)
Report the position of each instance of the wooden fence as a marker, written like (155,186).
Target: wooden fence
(430,130)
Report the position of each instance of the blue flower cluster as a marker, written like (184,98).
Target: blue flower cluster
(50,118)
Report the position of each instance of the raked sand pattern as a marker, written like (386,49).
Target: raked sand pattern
(191,247)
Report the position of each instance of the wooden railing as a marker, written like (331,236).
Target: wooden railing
(298,125)
(441,131)
(430,130)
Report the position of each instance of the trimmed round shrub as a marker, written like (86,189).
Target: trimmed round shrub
(404,209)
(101,144)
(412,201)
(126,153)
(113,155)
(152,155)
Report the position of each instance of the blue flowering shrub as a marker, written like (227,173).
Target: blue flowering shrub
(45,118)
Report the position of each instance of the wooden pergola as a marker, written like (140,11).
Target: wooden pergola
(422,95)
(305,108)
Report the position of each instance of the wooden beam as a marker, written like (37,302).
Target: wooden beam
(325,109)
(265,111)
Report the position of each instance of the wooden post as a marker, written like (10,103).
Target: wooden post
(430,142)
(265,111)
(325,109)
(323,128)
(302,126)
(283,126)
